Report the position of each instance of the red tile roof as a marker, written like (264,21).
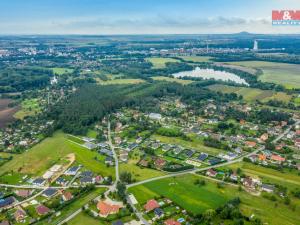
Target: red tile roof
(106,209)
(67,196)
(277,158)
(150,205)
(171,222)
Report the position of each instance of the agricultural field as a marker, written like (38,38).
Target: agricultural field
(197,199)
(29,107)
(159,62)
(6,112)
(49,152)
(252,94)
(170,79)
(120,81)
(279,73)
(60,71)
(196,58)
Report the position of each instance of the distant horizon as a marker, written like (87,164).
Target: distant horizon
(136,17)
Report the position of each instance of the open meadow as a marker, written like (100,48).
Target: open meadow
(197,199)
(52,150)
(159,62)
(170,79)
(29,107)
(120,81)
(252,94)
(280,73)
(196,58)
(60,71)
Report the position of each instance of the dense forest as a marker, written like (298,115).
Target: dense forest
(92,102)
(20,79)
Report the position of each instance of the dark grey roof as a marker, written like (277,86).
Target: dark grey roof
(119,222)
(6,201)
(39,181)
(158,211)
(86,180)
(86,174)
(49,192)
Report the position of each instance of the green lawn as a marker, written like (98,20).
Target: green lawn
(29,107)
(159,62)
(170,79)
(279,73)
(120,81)
(194,144)
(184,193)
(139,173)
(82,218)
(50,151)
(197,199)
(252,94)
(196,58)
(60,71)
(91,133)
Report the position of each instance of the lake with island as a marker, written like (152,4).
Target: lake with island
(211,74)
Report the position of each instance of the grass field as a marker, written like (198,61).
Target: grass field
(60,71)
(252,94)
(139,173)
(170,79)
(120,81)
(82,218)
(197,199)
(50,151)
(159,62)
(194,144)
(286,178)
(196,58)
(29,107)
(279,73)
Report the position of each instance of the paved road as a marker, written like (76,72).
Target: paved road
(114,153)
(137,212)
(214,166)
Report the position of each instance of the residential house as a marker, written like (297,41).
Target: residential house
(39,181)
(250,144)
(42,210)
(211,173)
(234,176)
(86,180)
(143,163)
(151,205)
(72,171)
(90,145)
(24,193)
(262,157)
(158,212)
(171,222)
(248,183)
(202,156)
(159,163)
(61,181)
(106,209)
(264,137)
(5,222)
(109,160)
(277,158)
(49,192)
(6,202)
(268,188)
(118,222)
(155,116)
(67,196)
(20,215)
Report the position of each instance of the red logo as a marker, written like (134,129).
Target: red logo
(285,15)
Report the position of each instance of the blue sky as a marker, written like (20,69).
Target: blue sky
(141,16)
